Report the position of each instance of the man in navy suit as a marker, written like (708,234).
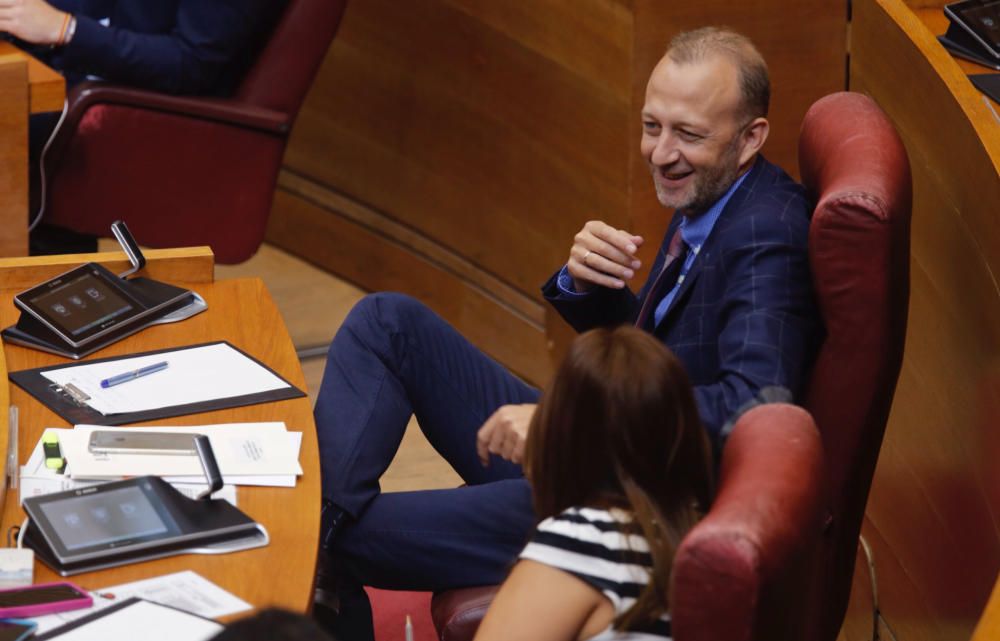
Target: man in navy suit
(175,46)
(735,304)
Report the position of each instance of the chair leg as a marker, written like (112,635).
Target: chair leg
(306,352)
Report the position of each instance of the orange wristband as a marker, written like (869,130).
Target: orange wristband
(62,30)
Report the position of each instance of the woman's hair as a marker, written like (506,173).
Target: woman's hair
(273,624)
(618,427)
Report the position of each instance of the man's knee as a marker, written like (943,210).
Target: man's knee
(381,324)
(386,313)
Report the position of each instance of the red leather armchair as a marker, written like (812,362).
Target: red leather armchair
(851,158)
(185,170)
(759,566)
(746,552)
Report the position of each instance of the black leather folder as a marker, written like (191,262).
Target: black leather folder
(76,412)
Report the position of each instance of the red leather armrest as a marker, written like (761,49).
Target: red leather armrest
(219,110)
(223,110)
(457,613)
(99,107)
(752,547)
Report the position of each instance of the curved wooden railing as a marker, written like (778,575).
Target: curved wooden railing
(933,519)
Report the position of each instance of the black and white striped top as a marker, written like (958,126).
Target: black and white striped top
(589,544)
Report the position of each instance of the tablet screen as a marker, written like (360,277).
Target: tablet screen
(82,304)
(104,518)
(982,17)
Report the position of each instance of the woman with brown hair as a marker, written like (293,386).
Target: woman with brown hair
(620,469)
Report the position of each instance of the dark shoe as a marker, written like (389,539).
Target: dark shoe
(330,520)
(325,593)
(340,604)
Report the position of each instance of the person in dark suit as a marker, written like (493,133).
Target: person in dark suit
(729,293)
(738,320)
(175,46)
(188,47)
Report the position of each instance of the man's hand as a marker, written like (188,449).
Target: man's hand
(602,255)
(504,433)
(33,21)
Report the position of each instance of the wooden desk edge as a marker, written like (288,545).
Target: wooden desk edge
(185,265)
(46,86)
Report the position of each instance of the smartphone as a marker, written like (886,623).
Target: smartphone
(44,598)
(16,629)
(118,442)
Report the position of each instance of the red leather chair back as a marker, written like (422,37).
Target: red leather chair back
(186,170)
(285,68)
(852,160)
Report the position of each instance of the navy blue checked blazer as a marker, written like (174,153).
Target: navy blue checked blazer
(744,317)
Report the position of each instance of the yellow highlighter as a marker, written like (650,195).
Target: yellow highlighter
(54,459)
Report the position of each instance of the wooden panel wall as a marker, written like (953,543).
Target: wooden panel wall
(933,518)
(450,149)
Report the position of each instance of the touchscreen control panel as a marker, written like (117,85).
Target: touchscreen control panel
(106,518)
(83,303)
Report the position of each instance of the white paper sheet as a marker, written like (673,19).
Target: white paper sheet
(192,376)
(273,480)
(188,591)
(241,449)
(144,620)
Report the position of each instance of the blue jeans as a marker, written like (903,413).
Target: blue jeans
(393,357)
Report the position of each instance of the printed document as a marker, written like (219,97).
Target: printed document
(241,449)
(188,591)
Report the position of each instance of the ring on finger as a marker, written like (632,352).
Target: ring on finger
(584,259)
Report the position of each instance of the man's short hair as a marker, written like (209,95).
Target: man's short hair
(755,85)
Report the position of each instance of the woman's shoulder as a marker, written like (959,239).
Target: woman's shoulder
(599,547)
(593,532)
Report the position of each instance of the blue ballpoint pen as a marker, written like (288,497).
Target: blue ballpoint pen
(134,374)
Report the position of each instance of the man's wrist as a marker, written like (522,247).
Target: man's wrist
(67,27)
(565,284)
(70,31)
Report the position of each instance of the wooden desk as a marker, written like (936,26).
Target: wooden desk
(26,87)
(242,312)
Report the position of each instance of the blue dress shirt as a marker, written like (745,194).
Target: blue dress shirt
(694,231)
